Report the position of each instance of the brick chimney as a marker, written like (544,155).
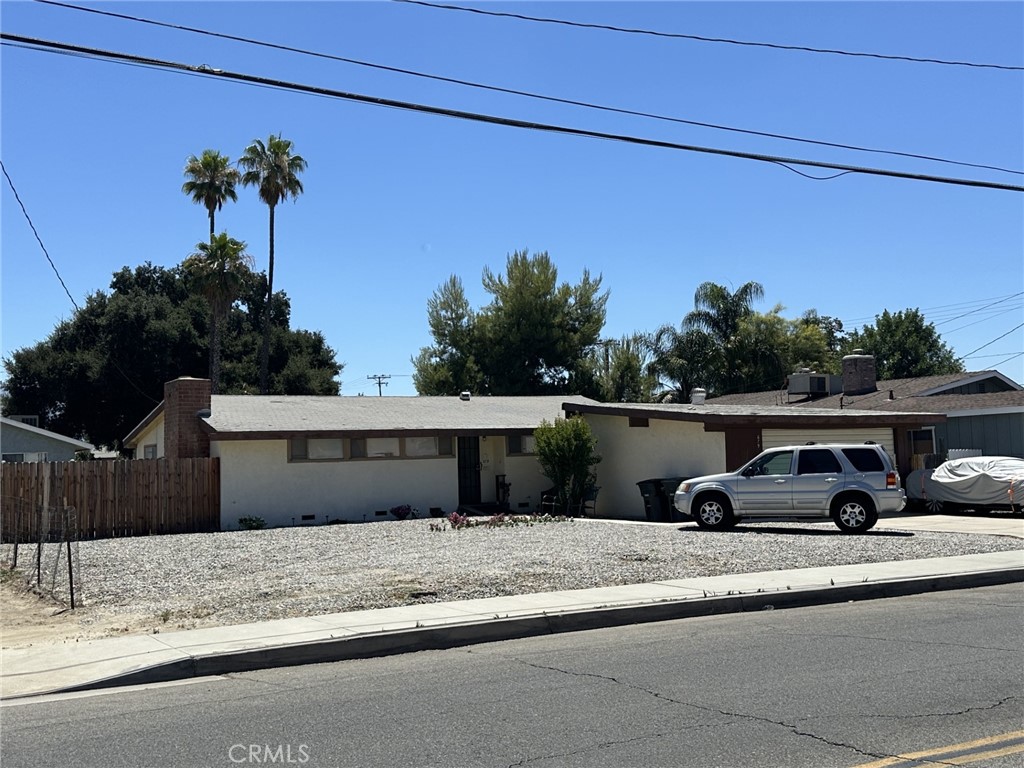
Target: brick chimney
(184,398)
(859,375)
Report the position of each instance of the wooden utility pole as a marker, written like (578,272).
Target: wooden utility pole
(381,379)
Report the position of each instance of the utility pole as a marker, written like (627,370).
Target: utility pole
(380,378)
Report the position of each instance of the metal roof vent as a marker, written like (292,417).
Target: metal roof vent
(698,395)
(464,395)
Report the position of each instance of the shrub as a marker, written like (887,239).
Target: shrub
(251,523)
(567,455)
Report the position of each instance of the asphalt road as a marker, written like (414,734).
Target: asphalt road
(841,685)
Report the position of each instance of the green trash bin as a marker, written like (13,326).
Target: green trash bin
(654,501)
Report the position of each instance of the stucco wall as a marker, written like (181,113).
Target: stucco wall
(662,449)
(258,480)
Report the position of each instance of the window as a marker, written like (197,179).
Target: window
(374,447)
(149,451)
(772,464)
(521,444)
(421,446)
(922,440)
(639,421)
(14,457)
(315,449)
(818,461)
(864,459)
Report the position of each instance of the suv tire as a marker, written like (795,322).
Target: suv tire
(714,512)
(854,513)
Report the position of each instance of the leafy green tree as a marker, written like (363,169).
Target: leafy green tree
(904,346)
(274,171)
(760,350)
(567,453)
(218,270)
(211,181)
(534,337)
(449,366)
(719,312)
(99,373)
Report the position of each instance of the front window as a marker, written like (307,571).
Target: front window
(780,463)
(521,444)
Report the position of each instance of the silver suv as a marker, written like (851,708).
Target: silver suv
(849,482)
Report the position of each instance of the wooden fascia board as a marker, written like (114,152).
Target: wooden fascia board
(288,435)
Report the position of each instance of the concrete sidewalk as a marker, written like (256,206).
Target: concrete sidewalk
(359,634)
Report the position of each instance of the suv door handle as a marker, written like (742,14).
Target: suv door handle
(831,479)
(780,482)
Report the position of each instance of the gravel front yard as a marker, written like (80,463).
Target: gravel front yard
(162,583)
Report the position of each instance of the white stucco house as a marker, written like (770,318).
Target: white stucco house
(295,460)
(311,460)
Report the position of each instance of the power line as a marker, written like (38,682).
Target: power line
(979,309)
(61,279)
(703,39)
(997,338)
(47,45)
(34,232)
(526,94)
(933,311)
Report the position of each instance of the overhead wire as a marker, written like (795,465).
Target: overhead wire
(525,94)
(51,46)
(704,39)
(990,343)
(46,253)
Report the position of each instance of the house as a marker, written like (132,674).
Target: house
(984,410)
(305,459)
(308,459)
(22,439)
(644,441)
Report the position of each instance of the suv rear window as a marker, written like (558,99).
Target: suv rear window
(864,459)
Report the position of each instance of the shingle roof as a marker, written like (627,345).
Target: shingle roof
(251,415)
(892,395)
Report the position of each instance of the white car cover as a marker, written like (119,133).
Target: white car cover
(980,480)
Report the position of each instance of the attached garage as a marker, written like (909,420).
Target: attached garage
(641,441)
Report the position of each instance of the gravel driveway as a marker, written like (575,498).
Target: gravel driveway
(183,581)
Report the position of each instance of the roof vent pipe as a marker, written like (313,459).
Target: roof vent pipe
(464,395)
(698,395)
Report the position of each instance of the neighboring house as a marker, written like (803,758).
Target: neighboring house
(984,410)
(21,439)
(307,459)
(302,459)
(643,441)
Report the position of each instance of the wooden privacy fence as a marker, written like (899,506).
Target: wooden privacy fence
(120,498)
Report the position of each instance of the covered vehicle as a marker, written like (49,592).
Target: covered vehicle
(980,483)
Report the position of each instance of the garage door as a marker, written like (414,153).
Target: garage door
(772,438)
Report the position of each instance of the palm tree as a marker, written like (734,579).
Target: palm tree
(211,181)
(719,313)
(218,269)
(274,170)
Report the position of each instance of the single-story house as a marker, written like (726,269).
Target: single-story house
(22,439)
(984,410)
(309,459)
(304,460)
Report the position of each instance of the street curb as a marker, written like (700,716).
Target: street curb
(509,628)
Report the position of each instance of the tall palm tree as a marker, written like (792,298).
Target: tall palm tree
(218,269)
(274,170)
(719,313)
(211,180)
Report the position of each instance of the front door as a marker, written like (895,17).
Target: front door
(469,470)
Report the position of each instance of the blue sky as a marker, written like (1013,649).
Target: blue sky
(396,201)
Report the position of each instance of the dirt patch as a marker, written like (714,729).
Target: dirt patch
(28,618)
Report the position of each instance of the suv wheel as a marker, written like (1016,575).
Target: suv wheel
(854,514)
(714,512)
